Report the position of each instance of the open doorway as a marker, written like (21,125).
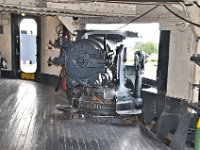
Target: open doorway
(28,45)
(25,46)
(148,41)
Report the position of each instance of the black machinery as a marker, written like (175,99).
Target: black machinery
(98,80)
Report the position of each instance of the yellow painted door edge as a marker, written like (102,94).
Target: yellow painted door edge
(28,76)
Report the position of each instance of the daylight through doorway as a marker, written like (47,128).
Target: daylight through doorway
(28,45)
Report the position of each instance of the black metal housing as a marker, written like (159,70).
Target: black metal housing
(96,63)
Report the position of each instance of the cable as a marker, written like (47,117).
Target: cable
(115,2)
(175,14)
(68,1)
(138,17)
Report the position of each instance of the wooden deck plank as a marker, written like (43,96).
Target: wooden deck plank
(29,120)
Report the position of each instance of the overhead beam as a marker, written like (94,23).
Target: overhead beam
(97,8)
(113,1)
(93,9)
(19,2)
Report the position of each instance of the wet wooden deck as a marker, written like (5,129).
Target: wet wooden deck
(30,121)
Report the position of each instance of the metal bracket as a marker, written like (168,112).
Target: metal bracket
(196,59)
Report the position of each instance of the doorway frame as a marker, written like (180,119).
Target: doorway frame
(15,34)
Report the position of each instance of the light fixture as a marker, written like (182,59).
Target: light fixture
(23,14)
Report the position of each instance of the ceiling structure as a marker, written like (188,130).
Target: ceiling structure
(90,8)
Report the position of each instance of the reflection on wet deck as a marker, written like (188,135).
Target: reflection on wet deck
(29,120)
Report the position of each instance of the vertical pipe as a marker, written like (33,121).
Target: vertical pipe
(121,66)
(138,77)
(104,42)
(138,83)
(139,62)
